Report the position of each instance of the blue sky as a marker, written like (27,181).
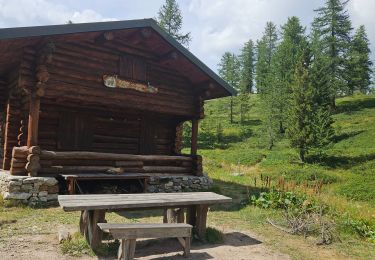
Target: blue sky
(216,25)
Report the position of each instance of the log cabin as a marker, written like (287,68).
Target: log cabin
(100,98)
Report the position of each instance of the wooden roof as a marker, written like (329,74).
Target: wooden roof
(143,37)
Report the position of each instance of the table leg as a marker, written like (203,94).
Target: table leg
(191,215)
(174,215)
(89,228)
(201,221)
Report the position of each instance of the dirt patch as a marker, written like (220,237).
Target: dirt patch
(237,245)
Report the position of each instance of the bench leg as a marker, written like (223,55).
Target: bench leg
(89,228)
(185,242)
(126,249)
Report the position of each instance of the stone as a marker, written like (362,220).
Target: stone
(16,196)
(17,178)
(51,197)
(14,183)
(43,187)
(50,181)
(33,180)
(14,188)
(169,184)
(26,187)
(53,189)
(43,199)
(42,193)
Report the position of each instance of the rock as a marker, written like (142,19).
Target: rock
(17,195)
(26,187)
(43,199)
(14,188)
(53,189)
(169,184)
(15,183)
(43,187)
(63,234)
(33,180)
(17,178)
(51,197)
(42,193)
(50,181)
(237,174)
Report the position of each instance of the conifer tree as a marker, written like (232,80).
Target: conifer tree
(266,47)
(332,27)
(229,70)
(170,19)
(247,59)
(309,121)
(301,109)
(284,62)
(360,65)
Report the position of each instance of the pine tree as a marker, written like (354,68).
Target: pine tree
(332,27)
(284,62)
(229,70)
(265,50)
(170,19)
(266,47)
(247,60)
(300,112)
(360,65)
(309,120)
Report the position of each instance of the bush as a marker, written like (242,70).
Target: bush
(361,228)
(282,200)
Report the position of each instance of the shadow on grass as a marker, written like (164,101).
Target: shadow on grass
(356,105)
(344,136)
(343,162)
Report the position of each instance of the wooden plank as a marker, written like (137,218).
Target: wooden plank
(134,231)
(109,156)
(201,221)
(141,200)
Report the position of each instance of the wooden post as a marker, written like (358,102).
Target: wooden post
(194,136)
(32,133)
(201,221)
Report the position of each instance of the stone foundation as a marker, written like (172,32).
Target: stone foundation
(178,183)
(29,190)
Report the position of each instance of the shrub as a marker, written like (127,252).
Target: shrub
(361,228)
(76,245)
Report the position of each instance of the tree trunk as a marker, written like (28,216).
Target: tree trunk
(302,155)
(231,110)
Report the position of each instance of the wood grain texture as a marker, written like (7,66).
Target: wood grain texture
(142,200)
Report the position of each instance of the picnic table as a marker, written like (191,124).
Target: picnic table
(93,208)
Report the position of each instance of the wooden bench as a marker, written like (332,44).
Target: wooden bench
(128,233)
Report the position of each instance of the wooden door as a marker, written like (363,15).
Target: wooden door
(75,131)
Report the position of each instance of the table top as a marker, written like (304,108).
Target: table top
(138,200)
(92,176)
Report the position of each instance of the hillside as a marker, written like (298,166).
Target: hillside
(236,156)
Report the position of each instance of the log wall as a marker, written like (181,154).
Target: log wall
(109,132)
(76,73)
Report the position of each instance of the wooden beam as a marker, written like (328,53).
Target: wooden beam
(32,133)
(194,137)
(169,57)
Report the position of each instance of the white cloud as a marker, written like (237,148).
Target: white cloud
(41,12)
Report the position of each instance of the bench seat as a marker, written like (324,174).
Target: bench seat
(128,233)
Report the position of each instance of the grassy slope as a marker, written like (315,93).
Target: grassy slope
(348,169)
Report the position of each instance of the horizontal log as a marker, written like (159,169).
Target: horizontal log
(108,139)
(166,169)
(135,164)
(77,163)
(20,152)
(86,169)
(109,156)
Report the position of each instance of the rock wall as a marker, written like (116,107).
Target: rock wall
(178,183)
(29,190)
